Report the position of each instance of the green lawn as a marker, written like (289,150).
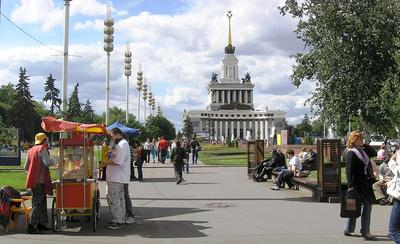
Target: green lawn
(223,156)
(17,179)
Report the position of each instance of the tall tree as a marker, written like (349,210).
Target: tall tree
(52,94)
(22,112)
(350,53)
(74,111)
(187,127)
(162,126)
(88,115)
(304,127)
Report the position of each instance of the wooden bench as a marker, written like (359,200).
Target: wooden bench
(304,182)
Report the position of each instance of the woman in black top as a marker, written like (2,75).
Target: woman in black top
(359,179)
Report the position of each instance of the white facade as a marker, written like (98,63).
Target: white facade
(230,112)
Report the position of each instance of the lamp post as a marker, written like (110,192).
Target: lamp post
(108,48)
(139,84)
(128,72)
(65,62)
(144,98)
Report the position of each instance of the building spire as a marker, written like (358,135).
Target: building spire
(229,49)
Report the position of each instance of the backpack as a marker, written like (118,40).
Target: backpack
(4,208)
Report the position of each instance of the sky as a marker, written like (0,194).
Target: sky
(178,43)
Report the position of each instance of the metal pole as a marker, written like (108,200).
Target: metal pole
(138,113)
(108,89)
(65,62)
(127,99)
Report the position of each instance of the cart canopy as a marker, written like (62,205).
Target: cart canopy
(127,130)
(51,124)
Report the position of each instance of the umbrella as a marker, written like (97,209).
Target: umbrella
(125,129)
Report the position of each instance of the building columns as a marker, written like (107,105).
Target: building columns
(223,96)
(245,97)
(201,124)
(256,130)
(232,135)
(262,129)
(238,129)
(226,130)
(240,97)
(229,97)
(220,130)
(267,132)
(215,129)
(244,129)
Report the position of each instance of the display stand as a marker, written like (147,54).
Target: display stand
(329,169)
(255,154)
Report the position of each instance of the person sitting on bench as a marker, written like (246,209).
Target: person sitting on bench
(266,167)
(286,175)
(310,162)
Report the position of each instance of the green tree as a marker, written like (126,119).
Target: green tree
(350,47)
(52,94)
(304,127)
(22,113)
(187,127)
(88,115)
(74,111)
(160,126)
(179,135)
(6,100)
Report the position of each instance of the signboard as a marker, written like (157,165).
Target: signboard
(10,146)
(284,135)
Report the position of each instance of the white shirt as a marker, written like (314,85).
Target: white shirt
(121,156)
(295,161)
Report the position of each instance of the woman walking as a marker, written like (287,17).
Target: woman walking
(359,179)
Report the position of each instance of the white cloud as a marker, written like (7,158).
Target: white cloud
(177,52)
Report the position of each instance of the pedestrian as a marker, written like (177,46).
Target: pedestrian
(154,150)
(394,191)
(186,146)
(104,158)
(195,146)
(132,162)
(163,149)
(38,179)
(118,173)
(359,180)
(147,150)
(139,160)
(178,154)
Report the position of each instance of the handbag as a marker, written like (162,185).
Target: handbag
(350,205)
(393,188)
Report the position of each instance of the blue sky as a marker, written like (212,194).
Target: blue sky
(178,43)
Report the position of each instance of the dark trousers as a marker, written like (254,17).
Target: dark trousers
(128,202)
(178,171)
(132,171)
(39,205)
(163,155)
(147,156)
(195,155)
(139,165)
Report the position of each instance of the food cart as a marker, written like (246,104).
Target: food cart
(76,190)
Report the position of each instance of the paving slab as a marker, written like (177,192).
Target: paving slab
(213,205)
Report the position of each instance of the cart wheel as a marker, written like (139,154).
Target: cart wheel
(95,211)
(54,216)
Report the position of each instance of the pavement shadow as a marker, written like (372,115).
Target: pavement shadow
(154,180)
(147,224)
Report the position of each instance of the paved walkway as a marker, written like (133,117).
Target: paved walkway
(214,205)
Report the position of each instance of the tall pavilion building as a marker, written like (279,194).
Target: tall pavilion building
(230,112)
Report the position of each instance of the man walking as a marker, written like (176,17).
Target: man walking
(163,149)
(118,173)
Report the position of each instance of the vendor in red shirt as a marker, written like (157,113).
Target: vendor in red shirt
(163,148)
(39,181)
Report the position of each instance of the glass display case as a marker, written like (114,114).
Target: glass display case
(10,146)
(77,157)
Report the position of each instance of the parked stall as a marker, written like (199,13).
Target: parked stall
(76,190)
